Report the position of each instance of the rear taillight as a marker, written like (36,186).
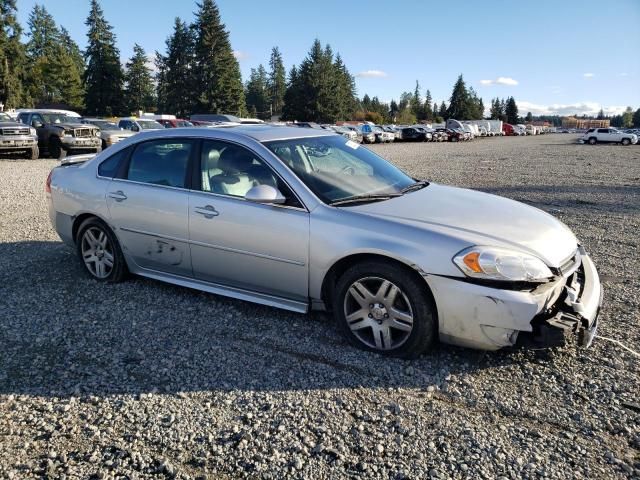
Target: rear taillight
(48,184)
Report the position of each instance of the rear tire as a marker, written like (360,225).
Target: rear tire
(593,141)
(382,307)
(100,252)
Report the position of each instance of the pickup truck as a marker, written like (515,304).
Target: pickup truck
(609,135)
(59,135)
(16,137)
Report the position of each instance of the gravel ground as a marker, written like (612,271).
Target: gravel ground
(143,379)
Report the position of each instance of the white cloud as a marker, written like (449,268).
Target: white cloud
(579,108)
(240,55)
(372,74)
(588,75)
(623,74)
(508,81)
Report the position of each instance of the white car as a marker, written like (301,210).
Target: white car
(609,135)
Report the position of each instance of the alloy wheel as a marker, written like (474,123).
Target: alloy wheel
(97,252)
(378,313)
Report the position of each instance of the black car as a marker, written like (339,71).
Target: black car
(411,134)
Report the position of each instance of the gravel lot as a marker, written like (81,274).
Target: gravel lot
(143,379)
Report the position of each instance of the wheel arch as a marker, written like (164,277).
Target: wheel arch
(343,264)
(79,219)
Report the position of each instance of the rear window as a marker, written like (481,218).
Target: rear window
(111,166)
(161,162)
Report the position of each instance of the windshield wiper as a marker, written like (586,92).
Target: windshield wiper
(420,184)
(365,198)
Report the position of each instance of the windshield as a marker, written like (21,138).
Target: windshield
(103,124)
(335,168)
(150,125)
(58,118)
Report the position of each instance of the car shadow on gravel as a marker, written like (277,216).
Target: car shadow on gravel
(64,334)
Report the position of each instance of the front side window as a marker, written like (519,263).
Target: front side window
(229,169)
(337,169)
(161,162)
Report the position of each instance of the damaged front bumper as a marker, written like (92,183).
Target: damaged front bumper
(575,312)
(489,318)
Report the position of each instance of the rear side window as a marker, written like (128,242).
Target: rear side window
(111,166)
(162,162)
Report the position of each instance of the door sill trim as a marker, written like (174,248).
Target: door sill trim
(226,291)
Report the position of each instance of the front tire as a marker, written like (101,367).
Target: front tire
(33,153)
(626,141)
(56,150)
(382,307)
(100,252)
(592,141)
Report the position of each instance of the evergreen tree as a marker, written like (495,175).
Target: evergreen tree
(416,103)
(600,114)
(175,77)
(257,93)
(55,63)
(345,89)
(627,118)
(277,81)
(443,110)
(636,118)
(428,111)
(322,88)
(293,97)
(460,102)
(529,117)
(217,77)
(511,111)
(139,90)
(393,111)
(12,58)
(103,77)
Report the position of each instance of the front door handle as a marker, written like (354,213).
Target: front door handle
(208,211)
(118,196)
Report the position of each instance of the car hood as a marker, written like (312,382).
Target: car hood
(13,125)
(71,125)
(480,219)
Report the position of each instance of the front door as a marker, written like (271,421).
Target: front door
(237,243)
(149,207)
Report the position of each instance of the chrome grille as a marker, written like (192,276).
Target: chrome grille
(14,131)
(82,132)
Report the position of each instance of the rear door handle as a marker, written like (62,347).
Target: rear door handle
(118,196)
(208,211)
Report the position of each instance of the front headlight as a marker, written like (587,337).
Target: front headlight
(32,132)
(97,132)
(68,133)
(494,263)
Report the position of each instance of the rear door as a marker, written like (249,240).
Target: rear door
(148,205)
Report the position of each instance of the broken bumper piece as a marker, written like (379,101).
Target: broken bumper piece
(575,312)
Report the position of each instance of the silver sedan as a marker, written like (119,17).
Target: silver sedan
(305,219)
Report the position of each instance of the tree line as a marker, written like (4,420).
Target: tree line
(198,73)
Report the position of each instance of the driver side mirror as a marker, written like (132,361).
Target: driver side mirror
(36,124)
(265,194)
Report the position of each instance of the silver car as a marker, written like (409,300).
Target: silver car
(305,219)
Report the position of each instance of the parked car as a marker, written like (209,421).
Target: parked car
(442,134)
(139,124)
(428,136)
(110,133)
(352,135)
(17,138)
(303,218)
(60,135)
(382,136)
(368,135)
(413,134)
(175,123)
(456,135)
(609,135)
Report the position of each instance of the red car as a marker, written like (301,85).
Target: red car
(176,123)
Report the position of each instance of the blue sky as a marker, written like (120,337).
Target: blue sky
(553,56)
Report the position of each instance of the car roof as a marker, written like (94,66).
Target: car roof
(260,133)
